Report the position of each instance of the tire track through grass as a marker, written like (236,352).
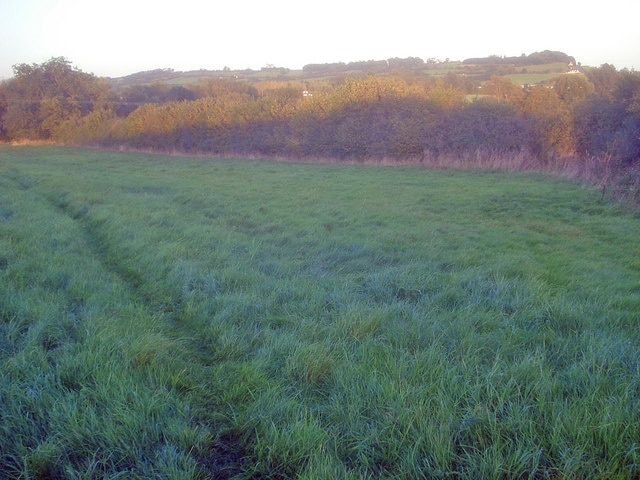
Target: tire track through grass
(96,373)
(225,455)
(217,387)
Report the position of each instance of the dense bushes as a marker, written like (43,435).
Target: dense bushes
(394,128)
(609,124)
(484,125)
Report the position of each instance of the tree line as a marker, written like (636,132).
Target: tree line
(537,58)
(576,120)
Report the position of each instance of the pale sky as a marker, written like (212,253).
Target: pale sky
(119,37)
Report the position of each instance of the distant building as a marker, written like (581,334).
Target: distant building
(573,68)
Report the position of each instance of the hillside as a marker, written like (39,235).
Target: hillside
(544,65)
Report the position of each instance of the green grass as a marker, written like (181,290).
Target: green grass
(165,317)
(536,74)
(531,78)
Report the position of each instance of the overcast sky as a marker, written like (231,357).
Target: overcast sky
(119,37)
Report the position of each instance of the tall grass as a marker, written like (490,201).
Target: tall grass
(190,318)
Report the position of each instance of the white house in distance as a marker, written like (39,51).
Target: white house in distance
(574,68)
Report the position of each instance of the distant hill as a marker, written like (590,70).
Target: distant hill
(537,58)
(545,62)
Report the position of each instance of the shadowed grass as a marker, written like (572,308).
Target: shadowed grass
(191,318)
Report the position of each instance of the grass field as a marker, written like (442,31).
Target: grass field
(531,78)
(187,318)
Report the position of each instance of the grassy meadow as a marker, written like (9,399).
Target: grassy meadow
(190,318)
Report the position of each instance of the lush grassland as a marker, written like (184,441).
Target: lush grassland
(187,318)
(531,78)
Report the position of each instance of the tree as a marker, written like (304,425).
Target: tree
(445,97)
(551,118)
(503,89)
(604,79)
(608,124)
(627,89)
(43,97)
(595,125)
(482,127)
(368,89)
(572,88)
